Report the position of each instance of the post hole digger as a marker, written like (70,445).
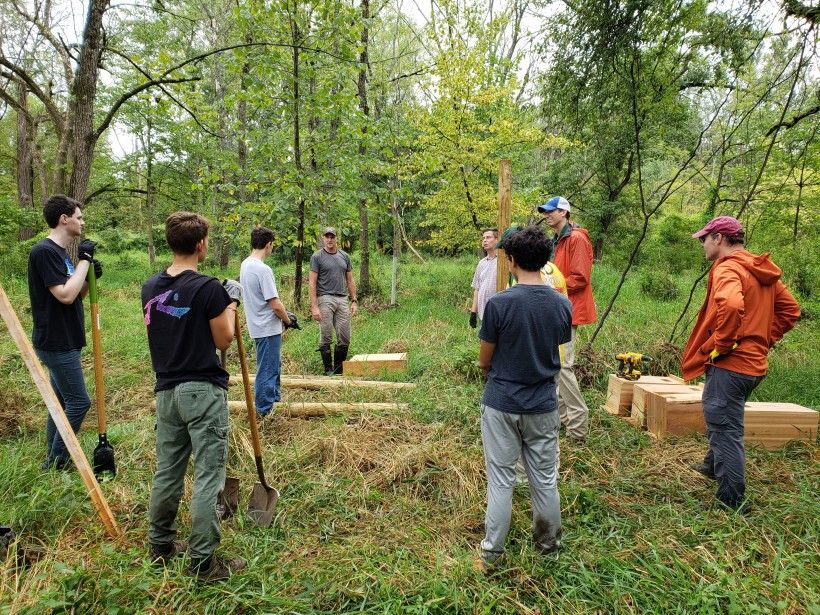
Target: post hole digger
(103,459)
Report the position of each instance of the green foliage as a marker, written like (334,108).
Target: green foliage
(659,284)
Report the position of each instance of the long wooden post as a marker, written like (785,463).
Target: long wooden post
(504,215)
(58,415)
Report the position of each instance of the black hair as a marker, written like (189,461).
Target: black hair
(183,230)
(529,246)
(260,237)
(738,238)
(58,205)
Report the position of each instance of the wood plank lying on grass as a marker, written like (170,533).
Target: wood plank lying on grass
(374,364)
(619,391)
(318,409)
(773,425)
(322,382)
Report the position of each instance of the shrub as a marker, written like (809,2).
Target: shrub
(659,284)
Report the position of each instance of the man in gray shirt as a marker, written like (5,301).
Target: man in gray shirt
(331,278)
(267,318)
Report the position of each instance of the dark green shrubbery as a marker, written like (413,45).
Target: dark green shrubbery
(659,284)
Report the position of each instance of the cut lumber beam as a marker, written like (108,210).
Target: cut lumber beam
(318,409)
(642,390)
(619,391)
(772,425)
(675,414)
(374,364)
(322,382)
(43,385)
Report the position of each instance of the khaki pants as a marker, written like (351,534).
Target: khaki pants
(335,316)
(571,405)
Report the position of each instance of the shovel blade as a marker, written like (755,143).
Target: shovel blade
(262,504)
(104,459)
(228,501)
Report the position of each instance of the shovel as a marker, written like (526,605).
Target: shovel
(228,500)
(263,497)
(103,460)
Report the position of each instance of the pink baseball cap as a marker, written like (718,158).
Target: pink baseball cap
(725,225)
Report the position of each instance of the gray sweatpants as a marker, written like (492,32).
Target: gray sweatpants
(506,437)
(571,405)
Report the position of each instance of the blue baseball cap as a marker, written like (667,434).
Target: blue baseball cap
(556,202)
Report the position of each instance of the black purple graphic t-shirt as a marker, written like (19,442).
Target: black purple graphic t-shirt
(177,311)
(57,326)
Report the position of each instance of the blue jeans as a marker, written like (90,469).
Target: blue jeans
(68,382)
(724,399)
(268,368)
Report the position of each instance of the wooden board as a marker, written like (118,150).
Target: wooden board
(619,391)
(319,409)
(642,390)
(328,382)
(374,364)
(675,414)
(773,425)
(43,385)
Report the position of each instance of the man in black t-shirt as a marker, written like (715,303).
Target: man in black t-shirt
(520,334)
(56,289)
(188,316)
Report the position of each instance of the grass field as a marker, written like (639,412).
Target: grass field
(383,513)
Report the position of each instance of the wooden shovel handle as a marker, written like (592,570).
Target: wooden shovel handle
(96,342)
(246,381)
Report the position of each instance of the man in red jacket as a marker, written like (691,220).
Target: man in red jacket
(747,310)
(573,257)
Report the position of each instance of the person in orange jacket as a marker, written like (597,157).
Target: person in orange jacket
(573,257)
(746,311)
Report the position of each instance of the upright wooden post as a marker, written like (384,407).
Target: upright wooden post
(58,415)
(504,207)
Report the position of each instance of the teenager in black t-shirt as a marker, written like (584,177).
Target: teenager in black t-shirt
(56,289)
(188,316)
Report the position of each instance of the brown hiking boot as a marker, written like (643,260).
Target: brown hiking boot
(163,554)
(214,568)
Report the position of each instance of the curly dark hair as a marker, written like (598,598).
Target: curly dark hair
(260,237)
(529,246)
(58,205)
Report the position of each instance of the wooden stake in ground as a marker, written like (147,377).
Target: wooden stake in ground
(504,207)
(57,415)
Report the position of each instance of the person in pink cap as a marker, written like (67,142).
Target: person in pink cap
(746,311)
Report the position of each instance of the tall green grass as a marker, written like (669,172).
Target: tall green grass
(383,513)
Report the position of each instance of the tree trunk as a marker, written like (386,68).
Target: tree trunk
(364,266)
(83,94)
(297,161)
(25,171)
(149,195)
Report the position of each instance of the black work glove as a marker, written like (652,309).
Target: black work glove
(473,319)
(234,290)
(294,322)
(85,252)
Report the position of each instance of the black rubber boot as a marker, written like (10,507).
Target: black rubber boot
(327,360)
(339,356)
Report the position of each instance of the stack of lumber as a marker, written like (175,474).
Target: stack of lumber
(619,391)
(642,391)
(675,414)
(772,425)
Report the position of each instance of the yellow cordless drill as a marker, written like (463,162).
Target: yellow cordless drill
(630,364)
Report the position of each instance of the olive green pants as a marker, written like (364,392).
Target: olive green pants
(191,418)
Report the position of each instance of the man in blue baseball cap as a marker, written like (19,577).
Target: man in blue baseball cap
(573,257)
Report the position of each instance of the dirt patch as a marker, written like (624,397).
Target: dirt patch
(12,408)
